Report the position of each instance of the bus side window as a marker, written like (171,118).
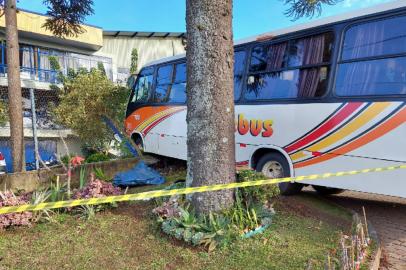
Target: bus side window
(142,87)
(296,69)
(163,83)
(239,69)
(178,88)
(373,60)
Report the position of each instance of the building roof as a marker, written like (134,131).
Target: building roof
(132,34)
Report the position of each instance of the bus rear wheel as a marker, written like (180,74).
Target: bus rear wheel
(274,165)
(327,190)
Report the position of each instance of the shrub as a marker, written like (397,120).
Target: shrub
(97,157)
(180,222)
(96,188)
(3,113)
(8,198)
(88,96)
(259,194)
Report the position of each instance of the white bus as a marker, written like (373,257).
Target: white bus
(321,97)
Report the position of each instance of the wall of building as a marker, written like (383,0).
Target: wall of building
(119,49)
(30,24)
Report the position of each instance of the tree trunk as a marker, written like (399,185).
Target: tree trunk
(210,102)
(14,87)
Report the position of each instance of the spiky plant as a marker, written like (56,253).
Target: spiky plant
(306,8)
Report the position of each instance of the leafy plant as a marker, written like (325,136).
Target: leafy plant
(97,157)
(86,212)
(37,197)
(96,188)
(3,113)
(8,198)
(99,174)
(134,61)
(88,96)
(82,177)
(57,191)
(100,67)
(259,194)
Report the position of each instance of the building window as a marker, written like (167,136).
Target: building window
(295,69)
(363,70)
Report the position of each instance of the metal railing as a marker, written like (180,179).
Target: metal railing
(35,63)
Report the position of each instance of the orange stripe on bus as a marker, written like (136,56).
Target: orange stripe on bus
(374,134)
(364,118)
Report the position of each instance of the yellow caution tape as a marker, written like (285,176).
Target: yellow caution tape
(190,190)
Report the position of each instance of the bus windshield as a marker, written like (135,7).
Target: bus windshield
(142,89)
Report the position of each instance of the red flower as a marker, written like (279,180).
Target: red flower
(77,160)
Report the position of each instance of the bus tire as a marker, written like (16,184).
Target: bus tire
(327,190)
(274,165)
(139,143)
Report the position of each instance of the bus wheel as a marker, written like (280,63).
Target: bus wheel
(327,191)
(139,144)
(274,165)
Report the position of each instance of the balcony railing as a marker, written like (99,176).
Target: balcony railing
(35,63)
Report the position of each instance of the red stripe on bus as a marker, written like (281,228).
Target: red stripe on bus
(326,127)
(372,135)
(153,124)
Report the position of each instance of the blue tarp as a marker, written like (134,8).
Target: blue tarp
(47,150)
(140,174)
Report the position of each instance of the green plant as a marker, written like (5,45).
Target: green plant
(87,97)
(86,211)
(8,198)
(100,67)
(97,157)
(3,113)
(82,177)
(134,61)
(99,174)
(57,191)
(37,197)
(259,194)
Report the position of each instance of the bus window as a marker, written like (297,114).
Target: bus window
(163,82)
(178,88)
(361,76)
(268,57)
(375,38)
(142,87)
(311,50)
(298,69)
(239,69)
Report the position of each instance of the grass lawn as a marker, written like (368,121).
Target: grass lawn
(304,230)
(127,238)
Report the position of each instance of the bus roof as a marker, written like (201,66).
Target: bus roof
(320,22)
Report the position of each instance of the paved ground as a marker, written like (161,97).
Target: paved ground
(388,216)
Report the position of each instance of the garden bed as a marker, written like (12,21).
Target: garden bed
(32,180)
(303,232)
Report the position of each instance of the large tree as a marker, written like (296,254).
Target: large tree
(210,105)
(14,87)
(65,18)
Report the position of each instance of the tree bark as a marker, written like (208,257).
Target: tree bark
(14,87)
(210,102)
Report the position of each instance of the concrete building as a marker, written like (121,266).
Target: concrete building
(88,50)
